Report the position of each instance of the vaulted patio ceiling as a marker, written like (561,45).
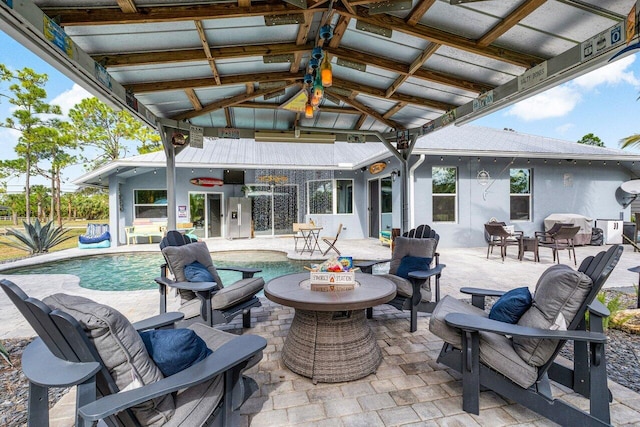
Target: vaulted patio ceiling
(398,65)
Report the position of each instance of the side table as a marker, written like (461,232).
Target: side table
(528,244)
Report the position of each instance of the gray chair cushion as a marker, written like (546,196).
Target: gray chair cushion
(121,350)
(404,287)
(496,351)
(403,246)
(239,291)
(180,256)
(560,290)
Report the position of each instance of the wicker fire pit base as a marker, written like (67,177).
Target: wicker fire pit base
(331,346)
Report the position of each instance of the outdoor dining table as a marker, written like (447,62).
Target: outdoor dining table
(329,339)
(310,236)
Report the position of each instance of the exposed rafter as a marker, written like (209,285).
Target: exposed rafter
(510,21)
(301,40)
(172,13)
(189,55)
(448,39)
(191,94)
(207,51)
(365,110)
(241,79)
(127,6)
(418,11)
(229,102)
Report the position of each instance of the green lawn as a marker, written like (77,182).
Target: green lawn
(76,228)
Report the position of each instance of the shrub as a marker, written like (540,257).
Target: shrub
(5,354)
(36,238)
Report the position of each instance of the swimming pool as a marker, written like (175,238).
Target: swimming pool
(137,271)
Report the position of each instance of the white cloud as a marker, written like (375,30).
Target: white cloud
(561,100)
(9,136)
(563,129)
(68,99)
(555,102)
(612,74)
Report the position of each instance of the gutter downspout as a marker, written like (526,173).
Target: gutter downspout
(412,170)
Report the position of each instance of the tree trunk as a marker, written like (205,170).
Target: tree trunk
(27,190)
(58,196)
(69,209)
(53,196)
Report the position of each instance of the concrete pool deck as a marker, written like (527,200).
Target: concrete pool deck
(409,388)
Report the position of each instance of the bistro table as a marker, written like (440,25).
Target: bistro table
(528,244)
(329,339)
(310,236)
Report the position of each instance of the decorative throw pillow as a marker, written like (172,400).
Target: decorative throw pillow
(174,349)
(196,272)
(412,263)
(511,306)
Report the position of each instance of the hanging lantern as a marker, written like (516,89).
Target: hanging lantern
(308,111)
(326,72)
(326,32)
(317,53)
(314,63)
(315,101)
(308,78)
(318,90)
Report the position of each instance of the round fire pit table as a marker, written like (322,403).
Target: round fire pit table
(330,339)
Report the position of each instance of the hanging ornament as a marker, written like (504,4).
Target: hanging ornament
(326,72)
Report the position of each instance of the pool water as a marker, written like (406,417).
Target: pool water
(130,272)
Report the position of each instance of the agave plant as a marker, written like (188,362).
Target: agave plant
(5,354)
(36,238)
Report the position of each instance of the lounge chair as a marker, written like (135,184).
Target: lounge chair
(413,263)
(521,368)
(96,236)
(94,347)
(207,300)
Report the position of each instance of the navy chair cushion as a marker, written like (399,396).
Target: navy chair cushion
(196,272)
(174,349)
(511,306)
(412,263)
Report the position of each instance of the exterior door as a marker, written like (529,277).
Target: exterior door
(214,215)
(374,208)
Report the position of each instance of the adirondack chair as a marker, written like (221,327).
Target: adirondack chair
(412,273)
(210,302)
(94,347)
(522,368)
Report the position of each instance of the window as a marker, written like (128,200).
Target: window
(520,194)
(324,200)
(150,203)
(444,191)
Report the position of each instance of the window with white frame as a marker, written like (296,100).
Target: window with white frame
(330,196)
(444,193)
(520,194)
(150,204)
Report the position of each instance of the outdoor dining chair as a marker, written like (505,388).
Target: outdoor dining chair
(331,241)
(560,240)
(498,235)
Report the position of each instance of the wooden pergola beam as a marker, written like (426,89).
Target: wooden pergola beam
(301,40)
(509,22)
(242,79)
(267,106)
(191,94)
(415,65)
(189,55)
(365,110)
(127,6)
(418,11)
(229,102)
(207,51)
(157,14)
(444,38)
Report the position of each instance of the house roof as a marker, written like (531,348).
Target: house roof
(401,64)
(456,141)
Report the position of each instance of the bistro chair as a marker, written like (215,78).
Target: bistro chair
(560,240)
(498,235)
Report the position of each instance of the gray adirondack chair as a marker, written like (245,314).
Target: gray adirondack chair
(413,293)
(521,368)
(98,350)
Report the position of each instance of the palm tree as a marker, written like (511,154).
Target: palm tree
(631,141)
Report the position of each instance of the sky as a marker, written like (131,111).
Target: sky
(603,102)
